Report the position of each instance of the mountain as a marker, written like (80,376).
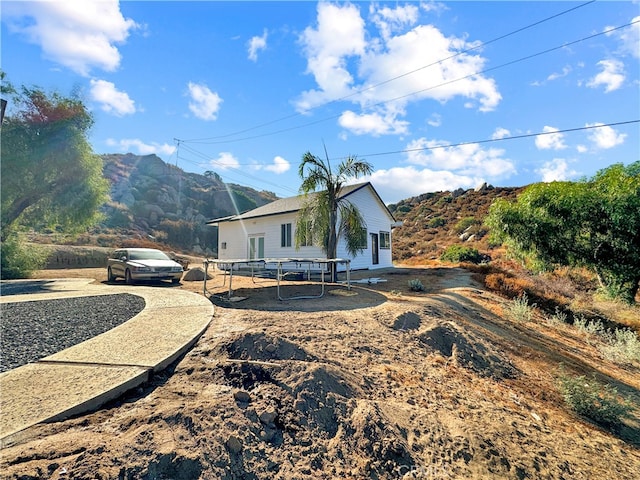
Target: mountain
(158,201)
(433,221)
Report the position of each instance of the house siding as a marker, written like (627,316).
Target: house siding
(234,234)
(377,219)
(269,227)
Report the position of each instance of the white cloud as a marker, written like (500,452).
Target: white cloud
(554,76)
(111,100)
(204,103)
(346,61)
(469,160)
(78,34)
(500,133)
(435,120)
(605,137)
(256,44)
(373,124)
(340,34)
(550,140)
(426,45)
(225,161)
(279,165)
(389,20)
(582,148)
(629,38)
(440,169)
(136,145)
(611,76)
(556,170)
(402,182)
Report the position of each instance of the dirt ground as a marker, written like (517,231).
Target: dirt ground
(375,382)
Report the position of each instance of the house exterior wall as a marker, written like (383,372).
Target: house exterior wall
(377,220)
(233,236)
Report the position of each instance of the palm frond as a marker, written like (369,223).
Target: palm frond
(352,228)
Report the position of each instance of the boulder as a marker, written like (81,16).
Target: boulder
(195,274)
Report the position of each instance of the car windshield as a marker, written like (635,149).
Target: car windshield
(148,255)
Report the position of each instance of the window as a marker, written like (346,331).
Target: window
(362,240)
(385,240)
(285,235)
(307,239)
(223,245)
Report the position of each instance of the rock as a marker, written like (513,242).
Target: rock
(195,274)
(267,434)
(234,445)
(456,193)
(242,396)
(481,188)
(268,417)
(271,348)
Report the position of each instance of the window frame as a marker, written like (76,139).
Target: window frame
(385,240)
(286,231)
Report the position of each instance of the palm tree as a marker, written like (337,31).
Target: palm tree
(317,222)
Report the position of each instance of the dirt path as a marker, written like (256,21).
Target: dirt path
(376,382)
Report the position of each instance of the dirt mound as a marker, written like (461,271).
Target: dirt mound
(260,346)
(407,321)
(467,350)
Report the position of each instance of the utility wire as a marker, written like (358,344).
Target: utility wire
(232,168)
(371,87)
(512,137)
(512,62)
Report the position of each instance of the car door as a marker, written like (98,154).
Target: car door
(117,266)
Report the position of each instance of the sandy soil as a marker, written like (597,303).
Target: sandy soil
(376,382)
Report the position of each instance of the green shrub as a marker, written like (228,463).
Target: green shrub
(19,260)
(459,253)
(558,318)
(416,285)
(519,309)
(436,222)
(463,224)
(593,400)
(622,346)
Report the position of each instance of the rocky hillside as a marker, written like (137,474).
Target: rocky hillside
(153,200)
(433,221)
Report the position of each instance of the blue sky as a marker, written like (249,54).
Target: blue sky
(418,89)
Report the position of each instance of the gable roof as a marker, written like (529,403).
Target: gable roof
(293,204)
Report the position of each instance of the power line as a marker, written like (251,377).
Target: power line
(512,62)
(234,169)
(513,137)
(472,142)
(384,82)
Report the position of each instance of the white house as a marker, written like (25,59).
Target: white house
(268,231)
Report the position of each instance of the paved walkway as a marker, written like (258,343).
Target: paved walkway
(84,377)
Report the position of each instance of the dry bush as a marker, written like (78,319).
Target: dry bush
(142,243)
(508,285)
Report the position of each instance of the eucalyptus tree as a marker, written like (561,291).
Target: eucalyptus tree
(591,223)
(325,216)
(50,176)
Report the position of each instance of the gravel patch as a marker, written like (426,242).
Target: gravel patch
(36,329)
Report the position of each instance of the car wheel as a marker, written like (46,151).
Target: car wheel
(110,277)
(175,280)
(127,277)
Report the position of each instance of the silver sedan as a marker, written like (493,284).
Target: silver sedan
(134,264)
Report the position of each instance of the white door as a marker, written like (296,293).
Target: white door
(256,247)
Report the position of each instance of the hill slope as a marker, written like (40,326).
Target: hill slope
(152,198)
(432,221)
